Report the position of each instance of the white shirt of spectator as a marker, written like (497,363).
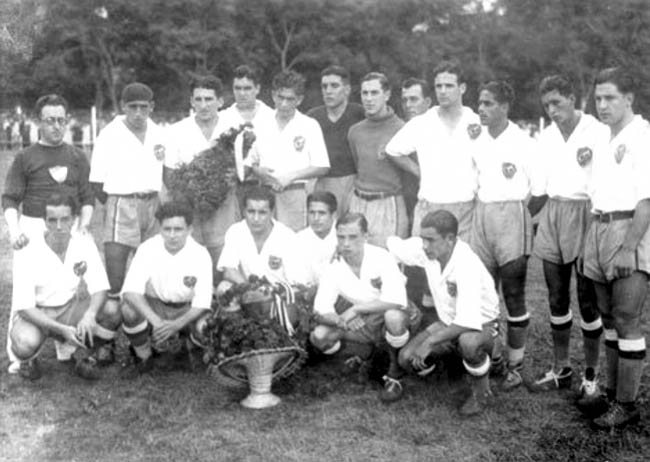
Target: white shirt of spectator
(514,147)
(41,279)
(316,253)
(173,278)
(240,252)
(125,165)
(620,185)
(379,279)
(300,144)
(463,292)
(447,171)
(186,140)
(565,178)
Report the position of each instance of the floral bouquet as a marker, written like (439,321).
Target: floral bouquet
(207,180)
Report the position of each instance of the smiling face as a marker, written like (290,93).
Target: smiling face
(612,105)
(335,91)
(449,93)
(205,103)
(174,232)
(374,98)
(52,125)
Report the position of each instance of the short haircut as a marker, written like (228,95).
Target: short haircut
(424,85)
(501,90)
(325,197)
(136,91)
(59,199)
(49,100)
(557,82)
(289,80)
(335,69)
(350,218)
(208,82)
(173,209)
(450,67)
(383,80)
(623,79)
(443,221)
(247,72)
(259,193)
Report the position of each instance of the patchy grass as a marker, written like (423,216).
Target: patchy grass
(323,417)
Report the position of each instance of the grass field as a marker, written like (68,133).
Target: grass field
(179,416)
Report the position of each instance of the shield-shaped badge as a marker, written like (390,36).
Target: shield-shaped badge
(509,169)
(452,288)
(584,156)
(620,153)
(474,130)
(189,281)
(159,152)
(80,268)
(275,263)
(299,143)
(59,173)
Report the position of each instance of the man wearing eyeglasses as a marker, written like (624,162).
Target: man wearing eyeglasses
(39,171)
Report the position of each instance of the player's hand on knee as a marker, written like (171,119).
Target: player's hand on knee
(69,334)
(355,324)
(85,329)
(164,330)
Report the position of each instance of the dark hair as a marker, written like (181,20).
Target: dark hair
(337,70)
(208,82)
(289,79)
(325,197)
(443,221)
(350,218)
(501,90)
(247,72)
(383,80)
(424,85)
(173,209)
(49,100)
(260,193)
(559,83)
(59,199)
(450,67)
(623,79)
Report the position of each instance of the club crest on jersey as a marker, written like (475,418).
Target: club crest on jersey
(620,153)
(584,156)
(275,263)
(474,130)
(159,151)
(299,143)
(376,283)
(452,289)
(189,281)
(80,268)
(509,169)
(59,173)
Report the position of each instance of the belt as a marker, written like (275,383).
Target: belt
(138,195)
(294,186)
(372,196)
(613,216)
(175,305)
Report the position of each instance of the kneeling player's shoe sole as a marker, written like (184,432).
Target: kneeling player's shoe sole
(617,417)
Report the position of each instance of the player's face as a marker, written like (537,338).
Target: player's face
(53,125)
(350,241)
(413,101)
(612,105)
(174,232)
(286,102)
(320,218)
(558,107)
(258,216)
(245,92)
(449,92)
(58,222)
(205,103)
(373,97)
(491,112)
(335,91)
(436,247)
(137,113)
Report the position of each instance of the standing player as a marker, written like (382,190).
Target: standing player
(617,246)
(501,232)
(289,151)
(416,97)
(336,117)
(567,147)
(442,140)
(378,186)
(127,167)
(47,167)
(247,108)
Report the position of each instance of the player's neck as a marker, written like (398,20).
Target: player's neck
(207,126)
(58,246)
(450,113)
(567,128)
(334,113)
(248,111)
(617,127)
(498,128)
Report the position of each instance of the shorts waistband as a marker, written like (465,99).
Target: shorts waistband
(613,216)
(138,195)
(294,186)
(469,202)
(372,196)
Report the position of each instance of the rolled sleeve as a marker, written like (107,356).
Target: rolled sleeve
(95,277)
(327,293)
(318,156)
(402,144)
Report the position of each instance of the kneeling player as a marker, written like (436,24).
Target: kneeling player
(368,278)
(168,288)
(59,290)
(465,299)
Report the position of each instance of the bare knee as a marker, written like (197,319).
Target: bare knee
(323,337)
(395,321)
(110,315)
(26,339)
(473,346)
(129,315)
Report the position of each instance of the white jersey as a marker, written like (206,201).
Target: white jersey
(232,118)
(185,276)
(463,291)
(316,253)
(185,140)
